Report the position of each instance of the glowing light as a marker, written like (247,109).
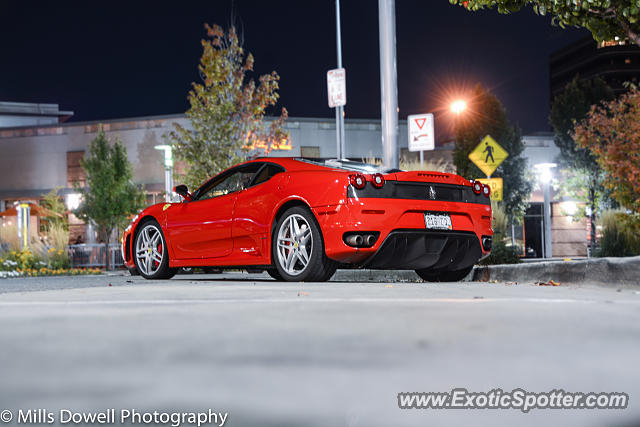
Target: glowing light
(458,106)
(544,171)
(73,201)
(570,208)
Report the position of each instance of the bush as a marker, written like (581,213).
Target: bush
(620,234)
(501,253)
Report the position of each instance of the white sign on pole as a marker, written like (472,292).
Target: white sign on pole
(421,132)
(337,87)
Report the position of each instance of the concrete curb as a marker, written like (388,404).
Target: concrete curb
(599,271)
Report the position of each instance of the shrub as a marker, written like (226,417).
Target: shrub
(620,234)
(501,252)
(9,240)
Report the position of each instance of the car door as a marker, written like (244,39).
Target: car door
(252,215)
(201,228)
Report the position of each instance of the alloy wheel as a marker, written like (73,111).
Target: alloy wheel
(295,244)
(149,249)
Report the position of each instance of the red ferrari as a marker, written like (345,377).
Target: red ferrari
(301,219)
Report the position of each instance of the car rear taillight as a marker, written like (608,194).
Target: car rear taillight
(477,187)
(358,180)
(377,180)
(486,190)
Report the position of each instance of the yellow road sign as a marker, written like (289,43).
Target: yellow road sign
(488,155)
(496,187)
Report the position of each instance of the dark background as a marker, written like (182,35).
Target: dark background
(113,60)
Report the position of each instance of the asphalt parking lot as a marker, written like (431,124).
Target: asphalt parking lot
(314,354)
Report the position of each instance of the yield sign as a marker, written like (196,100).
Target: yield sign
(420,132)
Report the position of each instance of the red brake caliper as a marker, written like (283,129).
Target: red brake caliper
(160,252)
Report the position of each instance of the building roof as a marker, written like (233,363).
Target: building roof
(33,110)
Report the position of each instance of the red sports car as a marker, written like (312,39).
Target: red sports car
(300,219)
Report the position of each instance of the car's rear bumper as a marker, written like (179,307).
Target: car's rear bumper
(418,249)
(403,235)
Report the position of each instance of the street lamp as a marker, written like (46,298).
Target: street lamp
(544,172)
(458,106)
(168,171)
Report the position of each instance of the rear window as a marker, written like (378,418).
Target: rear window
(348,165)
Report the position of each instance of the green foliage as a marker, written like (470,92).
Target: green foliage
(583,179)
(605,19)
(570,108)
(110,196)
(58,259)
(54,203)
(226,111)
(485,115)
(22,260)
(501,252)
(612,132)
(620,234)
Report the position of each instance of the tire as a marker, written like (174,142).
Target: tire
(150,252)
(133,271)
(274,273)
(443,276)
(297,248)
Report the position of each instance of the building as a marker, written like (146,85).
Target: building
(568,235)
(616,62)
(13,114)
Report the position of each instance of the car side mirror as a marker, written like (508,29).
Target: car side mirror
(183,191)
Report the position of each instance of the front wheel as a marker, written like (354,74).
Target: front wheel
(444,276)
(298,248)
(151,256)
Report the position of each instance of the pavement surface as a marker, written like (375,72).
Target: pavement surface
(313,354)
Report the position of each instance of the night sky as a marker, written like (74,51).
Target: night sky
(113,60)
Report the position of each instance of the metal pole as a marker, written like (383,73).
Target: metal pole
(340,109)
(421,159)
(548,250)
(388,82)
(168,185)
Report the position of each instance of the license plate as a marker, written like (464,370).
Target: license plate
(437,221)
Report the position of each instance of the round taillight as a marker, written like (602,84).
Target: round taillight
(486,190)
(377,180)
(358,181)
(477,187)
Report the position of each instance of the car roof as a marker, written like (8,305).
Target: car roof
(291,163)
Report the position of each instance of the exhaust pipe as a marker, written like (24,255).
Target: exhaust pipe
(369,239)
(354,240)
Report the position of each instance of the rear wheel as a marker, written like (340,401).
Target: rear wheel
(444,276)
(298,248)
(274,273)
(151,256)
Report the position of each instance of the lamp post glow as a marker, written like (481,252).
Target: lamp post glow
(168,171)
(458,106)
(544,172)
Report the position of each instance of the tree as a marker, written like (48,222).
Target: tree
(605,19)
(485,115)
(226,110)
(612,132)
(54,203)
(583,179)
(110,196)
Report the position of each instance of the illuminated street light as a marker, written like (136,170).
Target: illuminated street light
(458,106)
(544,172)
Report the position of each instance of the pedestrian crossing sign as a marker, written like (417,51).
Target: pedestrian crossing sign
(488,155)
